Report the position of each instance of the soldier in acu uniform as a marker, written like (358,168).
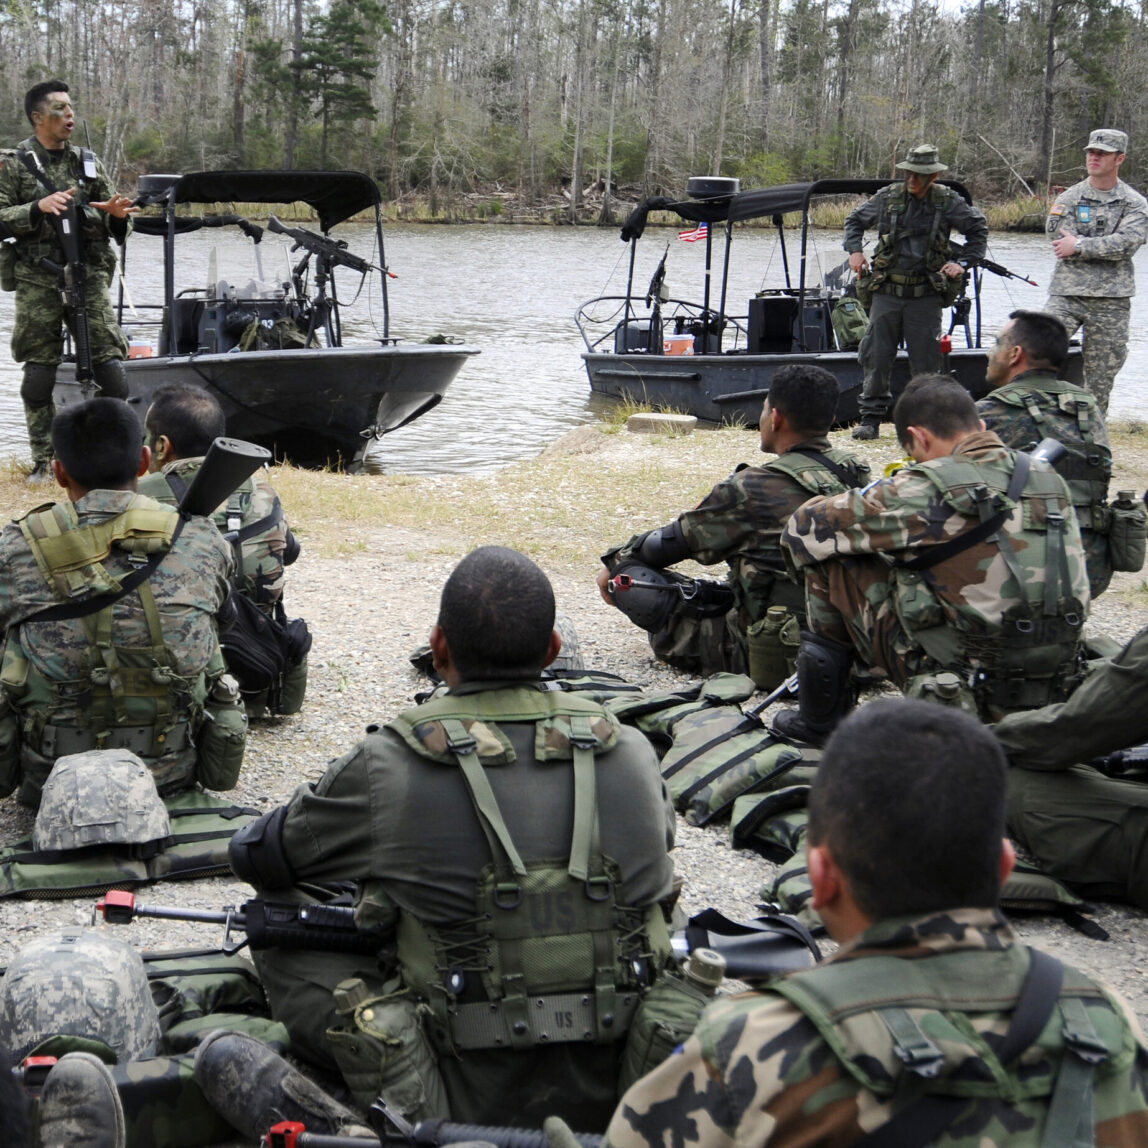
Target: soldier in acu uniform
(1097,226)
(45,175)
(739,522)
(967,561)
(913,274)
(1030,402)
(930,1024)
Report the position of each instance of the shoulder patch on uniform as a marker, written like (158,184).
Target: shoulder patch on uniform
(1056,209)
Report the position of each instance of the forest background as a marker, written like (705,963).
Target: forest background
(556,106)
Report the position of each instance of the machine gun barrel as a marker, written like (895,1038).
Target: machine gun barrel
(228,462)
(333,251)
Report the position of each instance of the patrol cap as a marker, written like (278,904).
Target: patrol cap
(923,159)
(100,797)
(1108,139)
(80,983)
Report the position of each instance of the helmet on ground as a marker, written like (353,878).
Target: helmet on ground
(645,595)
(79,983)
(570,656)
(100,797)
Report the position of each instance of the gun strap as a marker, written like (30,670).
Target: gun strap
(33,164)
(844,475)
(66,611)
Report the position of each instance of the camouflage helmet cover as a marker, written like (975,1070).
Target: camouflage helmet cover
(99,797)
(79,983)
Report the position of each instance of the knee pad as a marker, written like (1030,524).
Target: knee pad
(110,379)
(36,389)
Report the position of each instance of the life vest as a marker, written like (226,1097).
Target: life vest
(128,697)
(520,973)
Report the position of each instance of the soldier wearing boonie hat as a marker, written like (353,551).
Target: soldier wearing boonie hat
(1097,226)
(913,275)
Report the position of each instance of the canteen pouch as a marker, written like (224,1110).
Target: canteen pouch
(293,689)
(864,288)
(944,689)
(220,739)
(387,1052)
(773,642)
(1126,543)
(668,1014)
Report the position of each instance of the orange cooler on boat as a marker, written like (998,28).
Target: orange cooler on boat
(678,344)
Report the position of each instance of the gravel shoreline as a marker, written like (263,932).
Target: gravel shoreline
(370,593)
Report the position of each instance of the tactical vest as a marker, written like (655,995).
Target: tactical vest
(1031,657)
(890,231)
(127,697)
(550,956)
(902,1030)
(809,470)
(1062,412)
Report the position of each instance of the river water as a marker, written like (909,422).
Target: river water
(512,291)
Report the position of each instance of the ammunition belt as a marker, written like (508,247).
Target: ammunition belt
(558,1018)
(143,740)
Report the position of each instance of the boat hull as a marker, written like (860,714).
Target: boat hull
(730,388)
(315,407)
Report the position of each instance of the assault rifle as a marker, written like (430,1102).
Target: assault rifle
(1128,764)
(957,254)
(752,950)
(333,252)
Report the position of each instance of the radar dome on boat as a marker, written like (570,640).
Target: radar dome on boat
(154,185)
(711,186)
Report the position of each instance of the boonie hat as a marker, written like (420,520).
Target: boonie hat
(1108,139)
(922,159)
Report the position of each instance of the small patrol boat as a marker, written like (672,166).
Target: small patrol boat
(270,348)
(706,357)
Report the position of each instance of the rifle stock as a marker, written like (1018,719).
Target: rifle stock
(228,462)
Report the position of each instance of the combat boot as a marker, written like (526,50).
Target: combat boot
(868,428)
(252,1088)
(80,1107)
(40,473)
(826,692)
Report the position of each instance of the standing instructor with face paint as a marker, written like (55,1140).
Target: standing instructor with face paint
(46,174)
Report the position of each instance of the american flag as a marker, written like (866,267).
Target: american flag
(693,234)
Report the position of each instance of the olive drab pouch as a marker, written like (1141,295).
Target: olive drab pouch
(850,322)
(864,288)
(382,1049)
(9,747)
(773,642)
(720,754)
(1126,541)
(221,737)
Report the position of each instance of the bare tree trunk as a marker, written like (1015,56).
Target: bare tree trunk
(579,88)
(765,52)
(723,99)
(1044,160)
(292,133)
(606,216)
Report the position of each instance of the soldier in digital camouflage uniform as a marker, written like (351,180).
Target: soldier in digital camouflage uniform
(969,560)
(26,203)
(913,273)
(1030,402)
(915,1028)
(1097,226)
(181,423)
(1083,827)
(516,838)
(143,672)
(739,522)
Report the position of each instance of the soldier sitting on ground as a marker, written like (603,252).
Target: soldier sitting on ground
(930,1024)
(1083,827)
(514,840)
(968,561)
(182,422)
(1031,402)
(739,522)
(108,602)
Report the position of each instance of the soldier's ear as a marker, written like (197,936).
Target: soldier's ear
(145,461)
(824,875)
(1008,859)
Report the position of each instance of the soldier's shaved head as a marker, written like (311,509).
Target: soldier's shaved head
(910,800)
(190,417)
(497,614)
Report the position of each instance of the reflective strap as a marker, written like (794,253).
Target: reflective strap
(1070,1120)
(561,1018)
(913,1048)
(586,837)
(463,746)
